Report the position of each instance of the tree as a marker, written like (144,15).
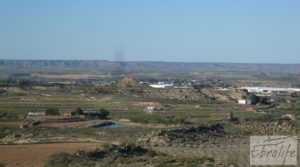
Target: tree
(232,118)
(78,111)
(52,111)
(25,84)
(295,94)
(254,99)
(244,97)
(103,113)
(263,100)
(100,114)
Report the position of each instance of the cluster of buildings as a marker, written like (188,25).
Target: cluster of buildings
(270,90)
(188,84)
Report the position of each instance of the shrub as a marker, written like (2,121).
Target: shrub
(61,160)
(78,111)
(8,116)
(254,99)
(101,114)
(52,111)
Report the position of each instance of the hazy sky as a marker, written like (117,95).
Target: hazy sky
(262,31)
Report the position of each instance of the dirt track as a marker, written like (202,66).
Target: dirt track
(35,155)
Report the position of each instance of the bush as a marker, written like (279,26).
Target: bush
(25,84)
(232,118)
(124,155)
(6,130)
(78,111)
(61,159)
(264,100)
(131,150)
(254,99)
(52,111)
(101,114)
(8,116)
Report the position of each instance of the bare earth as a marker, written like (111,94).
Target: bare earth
(35,155)
(72,124)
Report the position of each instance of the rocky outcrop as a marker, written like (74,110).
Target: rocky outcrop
(174,94)
(127,82)
(191,136)
(267,128)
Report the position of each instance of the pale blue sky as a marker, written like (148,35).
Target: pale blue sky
(254,31)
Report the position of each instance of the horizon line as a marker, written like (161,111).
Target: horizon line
(152,61)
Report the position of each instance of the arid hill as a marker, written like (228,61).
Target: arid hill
(113,66)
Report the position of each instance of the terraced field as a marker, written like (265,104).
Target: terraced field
(120,106)
(125,109)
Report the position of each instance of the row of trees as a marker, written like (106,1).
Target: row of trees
(100,114)
(52,111)
(22,83)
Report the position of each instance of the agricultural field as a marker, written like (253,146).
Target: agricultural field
(204,126)
(36,155)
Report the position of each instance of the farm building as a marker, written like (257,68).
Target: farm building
(23,125)
(270,89)
(69,113)
(244,101)
(36,113)
(162,85)
(150,108)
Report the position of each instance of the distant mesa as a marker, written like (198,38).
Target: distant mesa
(143,66)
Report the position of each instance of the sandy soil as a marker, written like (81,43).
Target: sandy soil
(36,155)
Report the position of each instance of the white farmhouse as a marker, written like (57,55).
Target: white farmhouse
(244,101)
(36,113)
(149,109)
(162,85)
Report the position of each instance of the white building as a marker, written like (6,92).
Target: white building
(36,114)
(149,109)
(244,101)
(270,90)
(161,85)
